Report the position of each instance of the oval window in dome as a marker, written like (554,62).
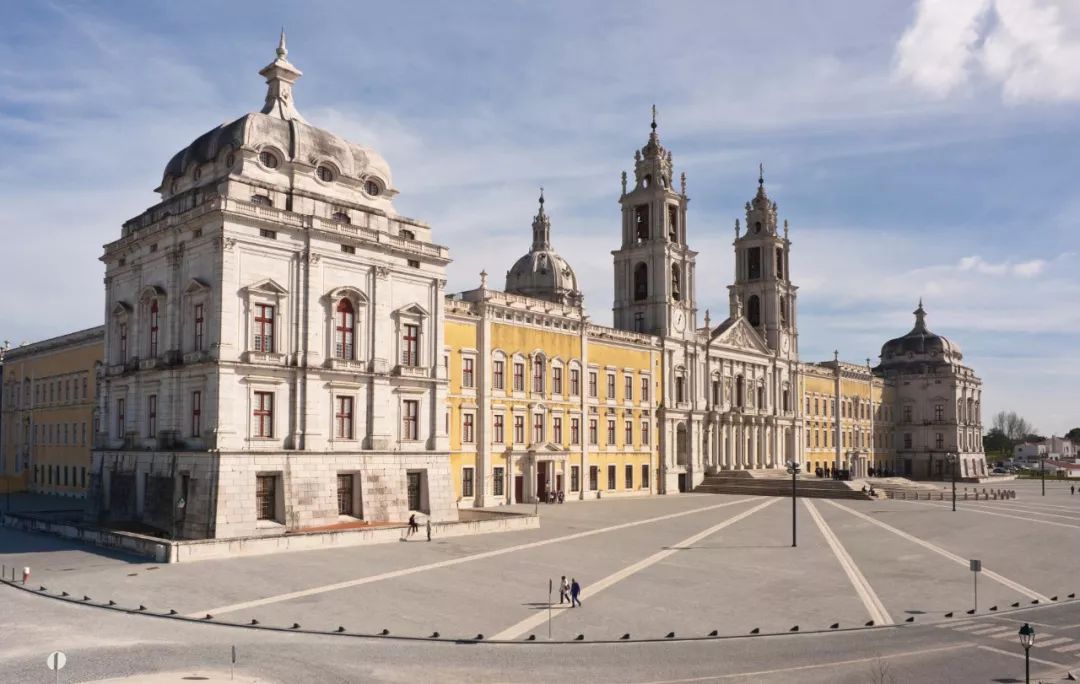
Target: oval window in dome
(268,159)
(325,173)
(372,188)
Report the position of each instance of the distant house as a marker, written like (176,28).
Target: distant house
(1063,468)
(1054,448)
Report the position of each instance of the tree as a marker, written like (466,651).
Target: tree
(996,442)
(1073,435)
(1014,427)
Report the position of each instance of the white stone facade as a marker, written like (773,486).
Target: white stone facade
(273,316)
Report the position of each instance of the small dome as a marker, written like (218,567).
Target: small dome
(919,346)
(542,273)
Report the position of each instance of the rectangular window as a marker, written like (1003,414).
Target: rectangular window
(498,482)
(413,263)
(716,392)
(343,418)
(628,388)
(645,389)
(348,249)
(84,385)
(196,413)
(611,477)
(556,430)
(265,496)
(153,328)
(538,376)
(498,371)
(644,475)
(468,427)
(594,478)
(199,321)
(468,378)
(122,333)
(151,415)
(753,256)
(641,222)
(628,437)
(498,435)
(645,433)
(538,428)
(519,429)
(680,389)
(611,387)
(410,409)
(575,431)
(629,484)
(410,345)
(264,328)
(593,390)
(907,440)
(939,412)
(593,436)
(556,380)
(467,482)
(673,222)
(939,441)
(120,425)
(519,377)
(907,414)
(611,432)
(575,478)
(269,234)
(575,382)
(344,494)
(639,317)
(264,414)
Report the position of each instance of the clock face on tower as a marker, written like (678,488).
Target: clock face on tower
(679,321)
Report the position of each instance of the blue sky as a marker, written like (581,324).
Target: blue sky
(918,148)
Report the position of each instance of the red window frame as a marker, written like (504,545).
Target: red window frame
(199,320)
(264,414)
(556,380)
(575,382)
(410,411)
(497,429)
(344,418)
(264,328)
(594,436)
(410,340)
(519,429)
(151,415)
(498,375)
(575,431)
(538,427)
(538,376)
(611,431)
(345,330)
(468,426)
(629,432)
(519,377)
(153,328)
(556,430)
(468,378)
(645,433)
(196,413)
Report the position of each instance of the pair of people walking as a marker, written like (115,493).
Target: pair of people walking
(414,527)
(569,591)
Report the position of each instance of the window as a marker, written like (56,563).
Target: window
(407,234)
(575,382)
(151,416)
(575,478)
(268,159)
(325,173)
(466,482)
(123,346)
(907,414)
(556,380)
(343,418)
(344,494)
(629,472)
(196,413)
(538,428)
(628,433)
(628,388)
(611,432)
(716,391)
(498,373)
(639,322)
(611,387)
(498,435)
(644,475)
(468,427)
(907,440)
(761,396)
(939,412)
(593,436)
(265,496)
(676,283)
(413,263)
(498,481)
(519,429)
(410,419)
(153,328)
(753,311)
(593,391)
(645,389)
(372,188)
(641,222)
(939,441)
(740,391)
(264,414)
(264,328)
(120,425)
(519,377)
(753,256)
(348,249)
(575,431)
(556,430)
(594,478)
(673,223)
(645,433)
(680,389)
(611,477)
(780,270)
(340,217)
(538,375)
(467,376)
(410,345)
(84,386)
(345,330)
(268,234)
(641,282)
(199,325)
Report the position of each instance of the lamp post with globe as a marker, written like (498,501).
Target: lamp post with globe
(793,470)
(1027,640)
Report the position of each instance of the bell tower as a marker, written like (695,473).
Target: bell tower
(654,269)
(763,290)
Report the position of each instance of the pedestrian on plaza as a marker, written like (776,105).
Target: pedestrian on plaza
(564,591)
(429,529)
(575,591)
(413,526)
(1072,490)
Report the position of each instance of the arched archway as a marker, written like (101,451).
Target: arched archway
(676,283)
(680,444)
(641,282)
(753,310)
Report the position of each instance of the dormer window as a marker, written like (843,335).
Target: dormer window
(408,235)
(325,173)
(757,226)
(268,159)
(340,217)
(262,200)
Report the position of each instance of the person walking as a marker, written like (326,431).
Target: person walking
(564,591)
(1072,490)
(428,524)
(413,526)
(575,591)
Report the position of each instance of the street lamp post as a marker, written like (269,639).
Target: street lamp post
(953,459)
(1042,473)
(793,469)
(1027,640)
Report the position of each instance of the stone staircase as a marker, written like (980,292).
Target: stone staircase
(778,483)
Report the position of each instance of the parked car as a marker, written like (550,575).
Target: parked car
(1000,471)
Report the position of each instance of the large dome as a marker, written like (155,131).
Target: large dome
(542,273)
(919,346)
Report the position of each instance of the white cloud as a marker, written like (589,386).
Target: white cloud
(1030,49)
(1023,269)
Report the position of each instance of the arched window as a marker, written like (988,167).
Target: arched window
(153,328)
(740,391)
(779,263)
(676,283)
(641,282)
(680,444)
(268,159)
(753,311)
(344,330)
(761,396)
(261,200)
(783,312)
(408,234)
(641,222)
(340,217)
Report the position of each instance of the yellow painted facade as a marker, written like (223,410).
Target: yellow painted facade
(866,420)
(542,401)
(48,413)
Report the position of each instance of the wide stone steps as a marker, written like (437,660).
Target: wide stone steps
(779,486)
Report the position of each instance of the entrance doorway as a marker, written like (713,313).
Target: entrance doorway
(682,482)
(414,490)
(519,488)
(542,478)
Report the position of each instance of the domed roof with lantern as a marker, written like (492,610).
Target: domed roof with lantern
(542,273)
(278,138)
(919,346)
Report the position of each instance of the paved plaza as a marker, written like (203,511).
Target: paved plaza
(648,567)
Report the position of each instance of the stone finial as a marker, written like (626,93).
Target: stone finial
(280,76)
(682,183)
(785,229)
(836,355)
(736,229)
(761,174)
(624,182)
(483,278)
(282,51)
(653,124)
(707,319)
